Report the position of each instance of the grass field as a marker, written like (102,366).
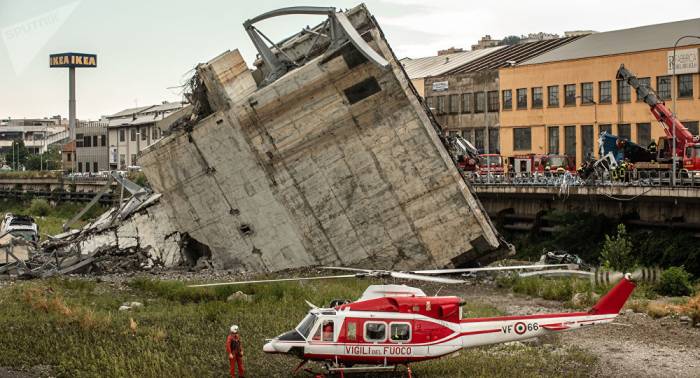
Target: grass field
(74,326)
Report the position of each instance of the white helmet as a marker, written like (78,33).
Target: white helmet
(234,329)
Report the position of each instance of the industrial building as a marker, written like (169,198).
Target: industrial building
(418,70)
(132,130)
(559,101)
(465,98)
(36,133)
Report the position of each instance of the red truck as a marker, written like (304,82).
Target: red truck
(538,163)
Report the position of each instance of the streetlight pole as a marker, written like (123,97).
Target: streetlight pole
(673,100)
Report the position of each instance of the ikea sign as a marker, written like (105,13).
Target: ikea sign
(71,59)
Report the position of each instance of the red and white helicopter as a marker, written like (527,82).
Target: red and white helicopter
(393,325)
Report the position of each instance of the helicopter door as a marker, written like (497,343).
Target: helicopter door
(325,337)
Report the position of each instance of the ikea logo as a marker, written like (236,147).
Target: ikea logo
(73,60)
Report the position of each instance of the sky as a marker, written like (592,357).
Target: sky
(147,49)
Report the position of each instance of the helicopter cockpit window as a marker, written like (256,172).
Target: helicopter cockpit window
(375,331)
(400,332)
(307,325)
(324,332)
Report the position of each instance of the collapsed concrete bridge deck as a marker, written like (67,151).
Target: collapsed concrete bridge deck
(334,160)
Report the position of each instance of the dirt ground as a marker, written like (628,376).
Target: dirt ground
(635,345)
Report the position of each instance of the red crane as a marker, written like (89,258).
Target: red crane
(687,145)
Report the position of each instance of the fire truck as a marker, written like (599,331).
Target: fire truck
(470,161)
(539,163)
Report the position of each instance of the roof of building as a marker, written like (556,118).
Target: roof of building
(130,111)
(513,53)
(437,65)
(641,38)
(147,114)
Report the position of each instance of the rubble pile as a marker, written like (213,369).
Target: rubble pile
(132,237)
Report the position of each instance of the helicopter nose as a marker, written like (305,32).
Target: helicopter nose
(269,348)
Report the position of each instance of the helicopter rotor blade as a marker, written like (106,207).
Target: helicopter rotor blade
(494,268)
(277,280)
(347,269)
(418,277)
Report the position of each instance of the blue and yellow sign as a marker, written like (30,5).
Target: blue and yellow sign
(71,59)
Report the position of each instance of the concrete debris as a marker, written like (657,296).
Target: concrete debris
(323,155)
(135,236)
(579,299)
(124,308)
(127,306)
(684,319)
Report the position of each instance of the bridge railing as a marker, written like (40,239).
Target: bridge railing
(628,178)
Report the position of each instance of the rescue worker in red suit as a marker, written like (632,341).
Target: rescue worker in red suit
(234,347)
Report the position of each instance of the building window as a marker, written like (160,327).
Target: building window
(133,159)
(507,99)
(644,133)
(430,102)
(154,133)
(479,139)
(692,126)
(122,135)
(623,91)
(663,87)
(95,142)
(103,140)
(400,332)
(570,95)
(78,140)
(570,141)
(553,140)
(454,104)
(375,331)
(468,134)
(467,102)
(587,141)
(493,140)
(522,138)
(537,97)
(492,101)
(69,157)
(624,131)
(80,166)
(553,95)
(586,93)
(87,141)
(122,161)
(144,133)
(522,98)
(685,85)
(604,94)
(480,102)
(94,167)
(606,128)
(133,134)
(643,82)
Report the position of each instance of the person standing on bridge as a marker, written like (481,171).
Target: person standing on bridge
(234,347)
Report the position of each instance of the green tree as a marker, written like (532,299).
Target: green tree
(510,40)
(617,251)
(18,155)
(49,160)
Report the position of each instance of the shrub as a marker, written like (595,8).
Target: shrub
(675,281)
(39,207)
(617,251)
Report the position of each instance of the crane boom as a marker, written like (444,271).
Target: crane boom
(658,109)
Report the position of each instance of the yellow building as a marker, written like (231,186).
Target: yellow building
(560,101)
